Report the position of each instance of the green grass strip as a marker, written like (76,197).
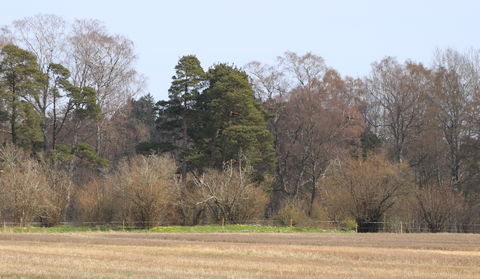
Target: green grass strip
(175,229)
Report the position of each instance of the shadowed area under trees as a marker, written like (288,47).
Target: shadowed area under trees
(290,143)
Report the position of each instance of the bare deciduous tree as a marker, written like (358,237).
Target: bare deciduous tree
(303,71)
(397,102)
(104,62)
(454,97)
(313,114)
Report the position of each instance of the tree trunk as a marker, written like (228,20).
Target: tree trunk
(13,118)
(184,150)
(45,135)
(98,137)
(54,128)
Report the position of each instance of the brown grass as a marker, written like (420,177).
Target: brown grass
(264,255)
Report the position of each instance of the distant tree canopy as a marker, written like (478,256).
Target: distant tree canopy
(293,141)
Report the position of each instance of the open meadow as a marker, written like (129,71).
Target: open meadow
(238,255)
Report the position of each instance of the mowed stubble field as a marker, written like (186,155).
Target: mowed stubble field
(238,255)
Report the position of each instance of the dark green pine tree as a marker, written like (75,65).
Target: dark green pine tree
(20,82)
(178,111)
(144,111)
(75,104)
(69,101)
(231,121)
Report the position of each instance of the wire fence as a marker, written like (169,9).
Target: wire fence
(385,227)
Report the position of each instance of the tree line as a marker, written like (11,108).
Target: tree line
(293,141)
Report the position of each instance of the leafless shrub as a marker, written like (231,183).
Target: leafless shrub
(21,186)
(94,202)
(144,188)
(230,195)
(31,189)
(56,196)
(440,206)
(293,214)
(366,189)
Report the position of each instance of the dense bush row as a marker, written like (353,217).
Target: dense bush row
(145,191)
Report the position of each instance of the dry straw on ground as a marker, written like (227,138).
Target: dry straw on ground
(244,255)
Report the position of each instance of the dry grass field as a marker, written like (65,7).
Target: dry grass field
(238,255)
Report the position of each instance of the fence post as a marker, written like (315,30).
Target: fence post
(356,228)
(401,227)
(223,221)
(291,221)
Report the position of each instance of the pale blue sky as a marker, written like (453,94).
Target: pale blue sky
(350,35)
